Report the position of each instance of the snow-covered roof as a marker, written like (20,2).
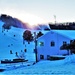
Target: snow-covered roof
(68,33)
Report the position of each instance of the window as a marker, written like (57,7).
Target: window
(48,57)
(41,56)
(41,43)
(52,43)
(64,42)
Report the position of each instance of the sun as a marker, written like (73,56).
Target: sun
(29,18)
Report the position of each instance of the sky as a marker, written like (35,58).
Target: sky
(39,11)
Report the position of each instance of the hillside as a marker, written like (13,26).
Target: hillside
(15,43)
(12,40)
(11,21)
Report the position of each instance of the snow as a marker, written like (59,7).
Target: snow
(44,67)
(70,59)
(68,33)
(9,42)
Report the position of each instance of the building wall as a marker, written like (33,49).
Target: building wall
(47,49)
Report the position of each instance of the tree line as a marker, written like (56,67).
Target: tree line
(63,26)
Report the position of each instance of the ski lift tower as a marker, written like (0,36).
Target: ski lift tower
(55,19)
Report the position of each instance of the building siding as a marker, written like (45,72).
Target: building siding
(47,49)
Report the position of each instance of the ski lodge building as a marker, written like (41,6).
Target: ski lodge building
(50,43)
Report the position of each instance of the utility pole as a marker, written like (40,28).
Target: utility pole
(35,40)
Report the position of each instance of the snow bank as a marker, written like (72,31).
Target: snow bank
(48,63)
(70,59)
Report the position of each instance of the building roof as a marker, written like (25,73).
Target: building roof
(67,33)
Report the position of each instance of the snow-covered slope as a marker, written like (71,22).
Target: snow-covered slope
(13,40)
(15,43)
(60,67)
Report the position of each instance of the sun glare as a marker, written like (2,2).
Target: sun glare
(31,19)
